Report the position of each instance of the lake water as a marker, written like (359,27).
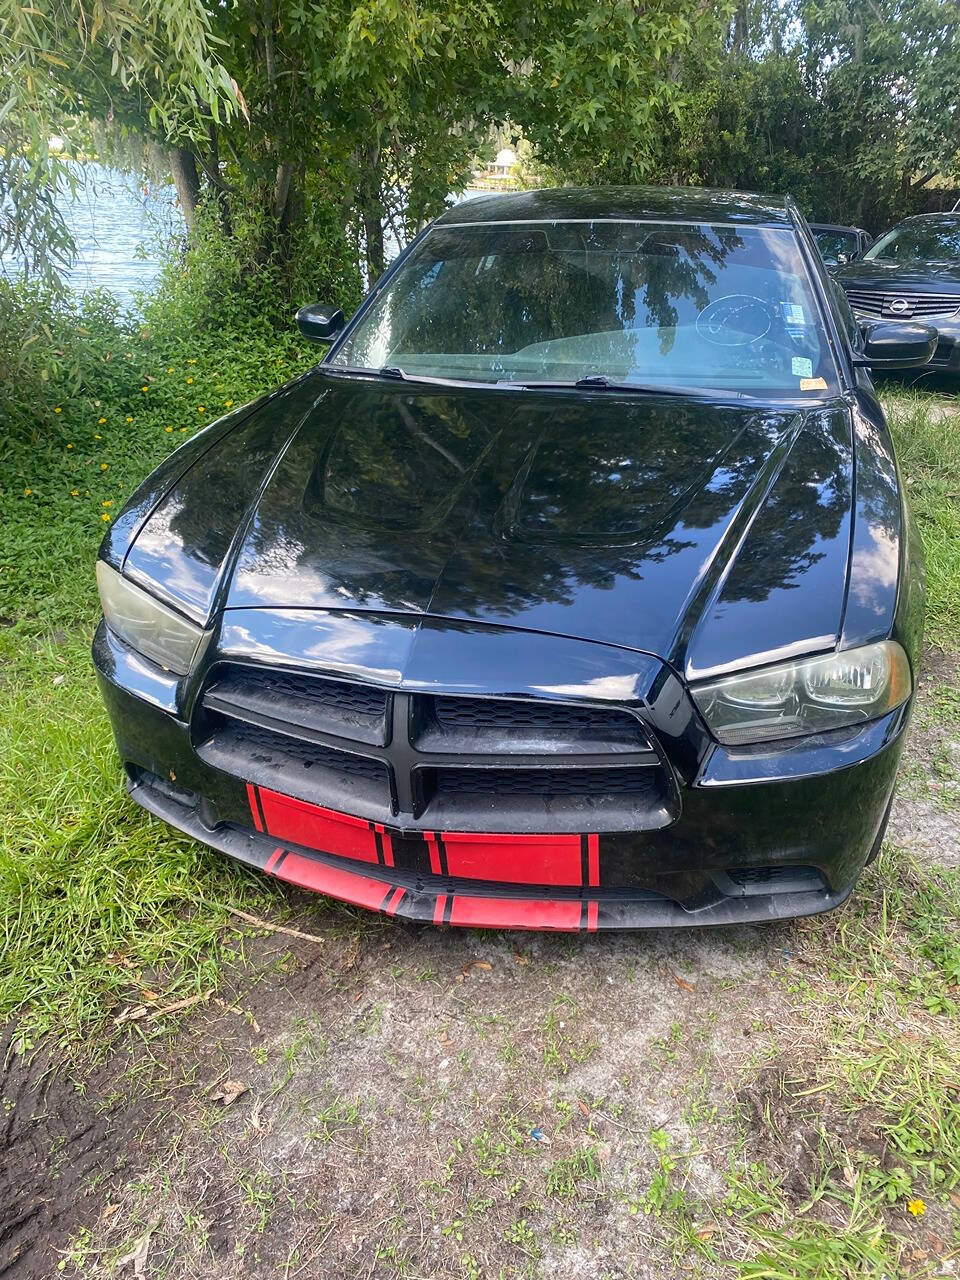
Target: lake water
(119,222)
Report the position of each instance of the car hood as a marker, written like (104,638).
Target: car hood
(910,277)
(706,534)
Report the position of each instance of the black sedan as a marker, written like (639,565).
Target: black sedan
(913,273)
(839,245)
(574,589)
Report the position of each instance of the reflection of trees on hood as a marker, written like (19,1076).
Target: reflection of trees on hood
(807,506)
(522,502)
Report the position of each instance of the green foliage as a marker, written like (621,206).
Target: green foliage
(848,105)
(97,402)
(56,61)
(214,282)
(605,80)
(756,126)
(892,68)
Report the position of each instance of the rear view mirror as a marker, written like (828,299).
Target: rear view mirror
(896,345)
(320,323)
(844,258)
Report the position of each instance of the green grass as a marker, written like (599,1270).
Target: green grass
(926,430)
(98,902)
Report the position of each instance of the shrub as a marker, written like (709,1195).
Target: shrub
(247,281)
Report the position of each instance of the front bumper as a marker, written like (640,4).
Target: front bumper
(750,836)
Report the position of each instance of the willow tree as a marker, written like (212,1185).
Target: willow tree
(162,50)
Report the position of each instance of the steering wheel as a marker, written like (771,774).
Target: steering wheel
(735,320)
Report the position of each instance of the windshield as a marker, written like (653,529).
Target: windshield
(832,243)
(923,240)
(712,306)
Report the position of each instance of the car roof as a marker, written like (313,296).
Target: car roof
(835,226)
(678,204)
(949,219)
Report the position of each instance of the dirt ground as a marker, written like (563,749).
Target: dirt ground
(401,1101)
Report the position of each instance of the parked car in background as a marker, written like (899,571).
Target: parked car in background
(913,273)
(575,588)
(839,245)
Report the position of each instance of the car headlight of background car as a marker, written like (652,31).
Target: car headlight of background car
(148,626)
(807,696)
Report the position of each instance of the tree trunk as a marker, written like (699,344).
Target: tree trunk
(212,170)
(183,168)
(373,234)
(281,189)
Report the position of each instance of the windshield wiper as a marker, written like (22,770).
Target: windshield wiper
(600,382)
(392,373)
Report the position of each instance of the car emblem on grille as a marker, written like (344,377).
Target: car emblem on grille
(898,305)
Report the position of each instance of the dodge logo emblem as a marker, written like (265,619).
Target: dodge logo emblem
(899,305)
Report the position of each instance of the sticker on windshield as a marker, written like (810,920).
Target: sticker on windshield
(793,313)
(812,384)
(802,367)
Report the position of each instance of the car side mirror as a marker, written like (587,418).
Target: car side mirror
(319,322)
(896,345)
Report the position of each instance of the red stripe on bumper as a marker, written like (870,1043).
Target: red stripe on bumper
(348,886)
(434,850)
(395,901)
(515,913)
(386,843)
(592,913)
(593,859)
(513,859)
(254,810)
(317,828)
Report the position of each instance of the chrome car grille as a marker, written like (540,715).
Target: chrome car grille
(903,306)
(423,760)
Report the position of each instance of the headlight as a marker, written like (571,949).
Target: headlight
(805,697)
(145,624)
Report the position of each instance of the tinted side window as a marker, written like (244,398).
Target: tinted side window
(845,317)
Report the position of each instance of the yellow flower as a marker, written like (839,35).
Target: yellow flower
(182,429)
(917,1208)
(105,517)
(108,502)
(74,493)
(27,493)
(170,370)
(144,388)
(129,419)
(168,428)
(201,409)
(104,466)
(191,362)
(97,436)
(189,380)
(69,446)
(58,409)
(101,421)
(228,403)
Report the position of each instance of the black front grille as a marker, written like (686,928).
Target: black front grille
(422,761)
(513,726)
(548,783)
(903,306)
(305,702)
